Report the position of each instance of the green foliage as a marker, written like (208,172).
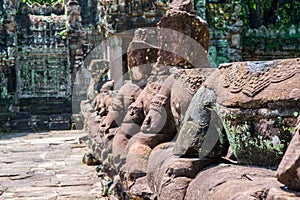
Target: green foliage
(270,12)
(254,13)
(291,130)
(63,34)
(251,148)
(30,2)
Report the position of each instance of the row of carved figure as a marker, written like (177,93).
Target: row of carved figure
(46,9)
(177,115)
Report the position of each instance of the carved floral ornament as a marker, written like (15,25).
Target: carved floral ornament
(192,79)
(252,77)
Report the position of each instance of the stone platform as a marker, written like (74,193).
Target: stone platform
(46,165)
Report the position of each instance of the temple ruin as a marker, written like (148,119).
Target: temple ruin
(178,99)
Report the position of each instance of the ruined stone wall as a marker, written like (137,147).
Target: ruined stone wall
(42,57)
(271,43)
(8,11)
(35,75)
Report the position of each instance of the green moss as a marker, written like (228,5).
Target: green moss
(251,146)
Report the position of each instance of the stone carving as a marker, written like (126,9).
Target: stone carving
(10,14)
(232,182)
(208,109)
(75,33)
(130,128)
(175,94)
(255,81)
(184,37)
(125,15)
(74,17)
(103,100)
(46,9)
(288,171)
(142,53)
(166,171)
(36,9)
(165,104)
(126,95)
(159,124)
(256,108)
(99,70)
(252,77)
(43,10)
(58,9)
(201,129)
(141,56)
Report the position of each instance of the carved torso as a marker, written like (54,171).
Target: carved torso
(186,83)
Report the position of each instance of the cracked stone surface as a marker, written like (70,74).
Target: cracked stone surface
(46,165)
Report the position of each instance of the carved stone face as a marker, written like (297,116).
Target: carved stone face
(140,63)
(106,100)
(135,115)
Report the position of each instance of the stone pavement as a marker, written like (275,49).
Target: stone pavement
(46,165)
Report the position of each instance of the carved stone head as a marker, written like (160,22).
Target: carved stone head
(25,9)
(183,37)
(58,8)
(36,8)
(73,7)
(99,68)
(142,53)
(47,9)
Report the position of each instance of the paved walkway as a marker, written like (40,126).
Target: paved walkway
(46,165)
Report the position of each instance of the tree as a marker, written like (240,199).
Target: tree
(271,12)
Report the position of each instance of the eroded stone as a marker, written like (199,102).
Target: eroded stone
(288,171)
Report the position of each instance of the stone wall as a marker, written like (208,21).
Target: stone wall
(36,69)
(271,43)
(8,29)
